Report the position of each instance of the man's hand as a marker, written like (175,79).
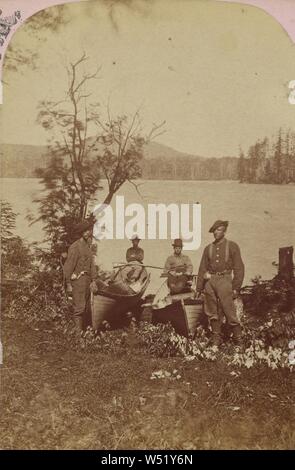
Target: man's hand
(207,276)
(69,289)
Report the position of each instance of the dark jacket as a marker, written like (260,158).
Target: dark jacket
(215,259)
(80,258)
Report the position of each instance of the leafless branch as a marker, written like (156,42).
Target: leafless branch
(156,131)
(136,186)
(135,116)
(86,78)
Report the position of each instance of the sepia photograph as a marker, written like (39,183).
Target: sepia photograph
(147,227)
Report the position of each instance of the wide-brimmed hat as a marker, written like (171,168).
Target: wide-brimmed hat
(177,242)
(218,223)
(83,226)
(135,237)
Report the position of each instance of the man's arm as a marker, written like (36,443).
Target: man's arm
(189,265)
(70,263)
(140,255)
(238,267)
(93,276)
(93,272)
(168,265)
(128,256)
(202,269)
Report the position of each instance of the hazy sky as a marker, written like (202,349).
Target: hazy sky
(218,73)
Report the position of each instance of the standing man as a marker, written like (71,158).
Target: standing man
(222,271)
(79,273)
(134,253)
(178,268)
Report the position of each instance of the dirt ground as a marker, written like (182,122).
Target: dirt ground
(55,396)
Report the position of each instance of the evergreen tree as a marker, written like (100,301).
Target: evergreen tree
(278,159)
(16,257)
(242,173)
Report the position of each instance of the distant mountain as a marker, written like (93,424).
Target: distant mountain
(156,150)
(160,162)
(20,161)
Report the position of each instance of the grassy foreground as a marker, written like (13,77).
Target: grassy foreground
(55,396)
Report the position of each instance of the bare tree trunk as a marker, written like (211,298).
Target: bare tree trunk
(109,197)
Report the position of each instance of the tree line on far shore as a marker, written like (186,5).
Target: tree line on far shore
(269,161)
(21,161)
(190,168)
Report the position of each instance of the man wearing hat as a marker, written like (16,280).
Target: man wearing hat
(222,271)
(135,253)
(79,272)
(178,263)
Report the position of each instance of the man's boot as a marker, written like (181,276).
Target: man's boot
(237,335)
(216,333)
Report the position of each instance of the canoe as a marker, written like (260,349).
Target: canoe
(113,304)
(182,311)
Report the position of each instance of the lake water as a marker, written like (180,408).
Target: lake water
(262,219)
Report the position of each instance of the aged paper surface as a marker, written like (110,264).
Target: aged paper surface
(177,116)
